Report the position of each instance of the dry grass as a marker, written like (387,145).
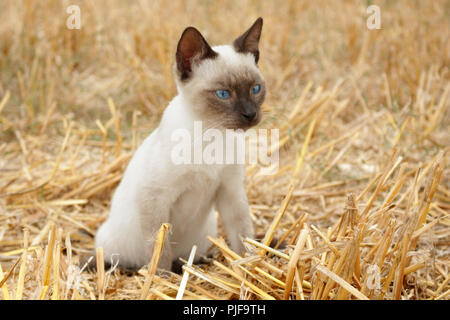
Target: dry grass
(364,116)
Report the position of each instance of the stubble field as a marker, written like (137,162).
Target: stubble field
(362,194)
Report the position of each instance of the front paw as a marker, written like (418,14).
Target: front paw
(238,246)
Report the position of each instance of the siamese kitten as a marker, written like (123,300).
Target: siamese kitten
(222,87)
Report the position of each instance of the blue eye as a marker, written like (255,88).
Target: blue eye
(223,94)
(256,89)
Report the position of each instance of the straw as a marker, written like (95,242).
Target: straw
(157,250)
(356,208)
(186,274)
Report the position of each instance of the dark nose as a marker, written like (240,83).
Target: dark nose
(250,116)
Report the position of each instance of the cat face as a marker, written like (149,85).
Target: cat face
(222,84)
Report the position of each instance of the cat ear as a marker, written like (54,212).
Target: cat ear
(192,48)
(248,42)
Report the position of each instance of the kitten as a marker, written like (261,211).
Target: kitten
(223,88)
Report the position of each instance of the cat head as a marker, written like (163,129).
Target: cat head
(222,84)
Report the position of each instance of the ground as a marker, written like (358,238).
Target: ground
(362,193)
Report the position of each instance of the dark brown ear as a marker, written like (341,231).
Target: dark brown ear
(248,42)
(191,48)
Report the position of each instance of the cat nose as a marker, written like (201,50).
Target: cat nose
(249,115)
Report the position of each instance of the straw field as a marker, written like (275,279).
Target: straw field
(361,198)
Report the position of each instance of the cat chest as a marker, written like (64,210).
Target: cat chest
(197,200)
